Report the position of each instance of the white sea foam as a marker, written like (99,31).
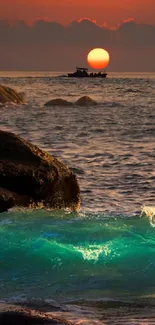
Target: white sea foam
(149,211)
(92,252)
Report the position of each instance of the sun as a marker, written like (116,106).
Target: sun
(98,58)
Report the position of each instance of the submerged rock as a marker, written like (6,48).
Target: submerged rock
(85,101)
(58,102)
(8,95)
(30,176)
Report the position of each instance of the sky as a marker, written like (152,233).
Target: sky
(64,11)
(58,34)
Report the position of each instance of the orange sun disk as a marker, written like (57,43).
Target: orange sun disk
(98,58)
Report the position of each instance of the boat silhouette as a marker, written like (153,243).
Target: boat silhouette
(83,73)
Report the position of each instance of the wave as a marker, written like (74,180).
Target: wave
(111,104)
(67,256)
(131,90)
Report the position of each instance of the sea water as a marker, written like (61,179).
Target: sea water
(106,252)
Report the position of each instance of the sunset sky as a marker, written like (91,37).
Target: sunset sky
(58,34)
(65,11)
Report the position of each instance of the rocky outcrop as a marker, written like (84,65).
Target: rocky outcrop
(85,101)
(8,95)
(58,102)
(30,176)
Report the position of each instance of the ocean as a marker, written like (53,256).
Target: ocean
(96,266)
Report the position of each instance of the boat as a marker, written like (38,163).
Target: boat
(83,73)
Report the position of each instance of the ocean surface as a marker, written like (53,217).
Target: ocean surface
(103,257)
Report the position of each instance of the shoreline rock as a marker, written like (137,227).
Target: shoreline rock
(9,95)
(30,176)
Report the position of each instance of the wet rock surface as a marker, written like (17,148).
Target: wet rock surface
(30,176)
(9,95)
(24,316)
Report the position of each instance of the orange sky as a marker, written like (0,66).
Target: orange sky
(65,11)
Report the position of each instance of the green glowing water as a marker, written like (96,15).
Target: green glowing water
(76,256)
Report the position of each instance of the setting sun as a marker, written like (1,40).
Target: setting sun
(98,58)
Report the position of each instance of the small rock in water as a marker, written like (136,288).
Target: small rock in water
(85,101)
(59,102)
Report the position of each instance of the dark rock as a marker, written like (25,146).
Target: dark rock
(82,101)
(9,199)
(58,102)
(85,101)
(28,317)
(30,176)
(7,94)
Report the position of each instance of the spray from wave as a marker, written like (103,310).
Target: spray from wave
(149,211)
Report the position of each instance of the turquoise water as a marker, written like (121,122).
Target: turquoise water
(65,256)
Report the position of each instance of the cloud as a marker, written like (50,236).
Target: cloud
(88,20)
(48,45)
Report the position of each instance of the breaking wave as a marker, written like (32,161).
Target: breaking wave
(48,254)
